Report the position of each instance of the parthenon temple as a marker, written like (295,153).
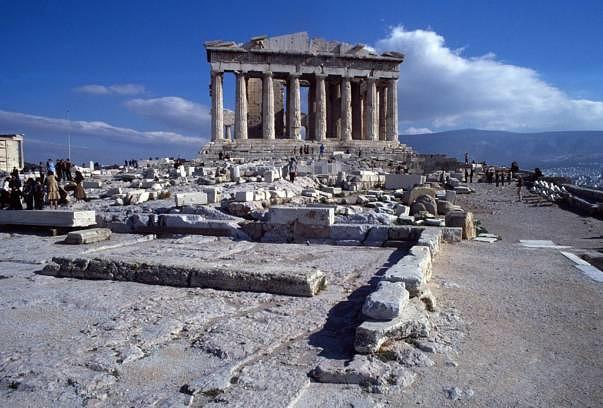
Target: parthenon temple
(293,89)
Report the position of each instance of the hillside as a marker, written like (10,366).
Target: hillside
(546,149)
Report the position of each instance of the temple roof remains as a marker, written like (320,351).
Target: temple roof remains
(301,43)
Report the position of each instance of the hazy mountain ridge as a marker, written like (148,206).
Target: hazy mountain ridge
(545,149)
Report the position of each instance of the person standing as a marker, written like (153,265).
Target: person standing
(28,193)
(322,150)
(67,164)
(471,175)
(80,193)
(52,190)
(292,169)
(39,194)
(5,194)
(519,188)
(496,178)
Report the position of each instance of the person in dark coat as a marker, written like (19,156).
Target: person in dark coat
(15,199)
(5,194)
(28,193)
(80,193)
(39,194)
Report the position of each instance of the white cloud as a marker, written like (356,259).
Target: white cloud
(173,111)
(22,122)
(440,88)
(416,131)
(118,89)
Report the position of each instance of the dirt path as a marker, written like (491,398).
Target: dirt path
(533,320)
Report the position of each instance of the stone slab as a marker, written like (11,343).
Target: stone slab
(414,270)
(190,273)
(302,215)
(88,236)
(405,181)
(412,323)
(386,302)
(48,218)
(195,198)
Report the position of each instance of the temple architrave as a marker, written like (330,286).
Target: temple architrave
(293,90)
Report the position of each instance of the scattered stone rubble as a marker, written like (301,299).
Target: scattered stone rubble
(349,202)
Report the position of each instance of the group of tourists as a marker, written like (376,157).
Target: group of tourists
(51,187)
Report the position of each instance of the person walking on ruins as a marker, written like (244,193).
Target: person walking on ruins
(466,175)
(15,198)
(52,190)
(79,193)
(471,175)
(519,188)
(322,150)
(496,178)
(67,165)
(292,169)
(466,158)
(502,177)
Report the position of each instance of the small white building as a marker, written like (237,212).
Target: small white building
(11,152)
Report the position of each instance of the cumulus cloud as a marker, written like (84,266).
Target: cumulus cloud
(117,89)
(441,88)
(175,112)
(47,126)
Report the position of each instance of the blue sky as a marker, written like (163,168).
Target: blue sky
(129,78)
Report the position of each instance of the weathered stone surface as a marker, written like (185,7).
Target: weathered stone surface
(405,181)
(214,194)
(48,218)
(386,302)
(302,215)
(367,371)
(242,196)
(345,232)
(267,278)
(414,270)
(405,354)
(464,220)
(88,236)
(424,203)
(196,198)
(197,224)
(444,207)
(377,235)
(431,238)
(450,196)
(412,323)
(452,234)
(413,194)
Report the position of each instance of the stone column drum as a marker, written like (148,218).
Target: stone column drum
(294,108)
(346,110)
(241,107)
(217,107)
(392,110)
(268,106)
(321,108)
(383,113)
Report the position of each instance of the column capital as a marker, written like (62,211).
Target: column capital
(320,75)
(215,72)
(267,73)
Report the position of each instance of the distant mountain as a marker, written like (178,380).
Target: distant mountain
(546,149)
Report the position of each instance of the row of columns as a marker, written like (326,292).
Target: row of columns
(378,111)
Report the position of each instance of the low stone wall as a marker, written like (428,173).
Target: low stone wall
(265,278)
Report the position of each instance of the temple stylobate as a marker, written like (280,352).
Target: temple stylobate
(293,88)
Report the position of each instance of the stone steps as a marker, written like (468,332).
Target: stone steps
(48,218)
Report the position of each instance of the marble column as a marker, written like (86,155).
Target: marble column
(382,113)
(228,133)
(294,108)
(346,109)
(356,111)
(241,107)
(392,110)
(371,107)
(321,108)
(267,106)
(217,107)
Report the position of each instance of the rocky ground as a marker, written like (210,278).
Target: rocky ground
(514,327)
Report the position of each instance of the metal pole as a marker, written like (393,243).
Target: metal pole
(68,137)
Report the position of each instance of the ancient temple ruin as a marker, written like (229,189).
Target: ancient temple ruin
(293,89)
